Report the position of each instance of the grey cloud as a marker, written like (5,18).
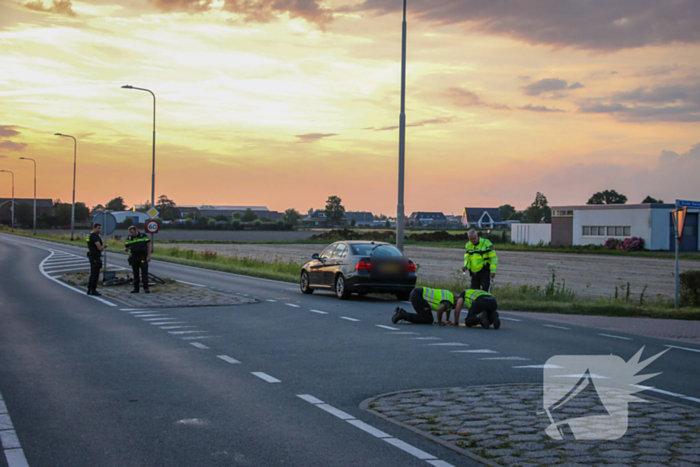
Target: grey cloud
(657,71)
(7,131)
(12,146)
(539,108)
(262,11)
(465,98)
(61,7)
(549,85)
(191,6)
(311,137)
(590,25)
(433,121)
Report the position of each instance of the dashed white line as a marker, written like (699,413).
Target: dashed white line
(265,377)
(474,351)
(156,319)
(197,338)
(369,429)
(510,319)
(349,319)
(335,412)
(179,333)
(386,327)
(415,452)
(192,283)
(319,312)
(556,327)
(309,398)
(449,344)
(160,323)
(504,358)
(271,301)
(199,345)
(150,315)
(427,338)
(616,337)
(540,367)
(404,333)
(140,312)
(293,305)
(683,348)
(176,327)
(668,393)
(133,309)
(227,359)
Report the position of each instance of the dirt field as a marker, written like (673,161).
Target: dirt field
(587,275)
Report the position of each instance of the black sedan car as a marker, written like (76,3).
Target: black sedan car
(359,267)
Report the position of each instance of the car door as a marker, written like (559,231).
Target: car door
(316,268)
(334,264)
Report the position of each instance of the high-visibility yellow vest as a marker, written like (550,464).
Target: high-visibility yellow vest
(477,255)
(435,296)
(472,294)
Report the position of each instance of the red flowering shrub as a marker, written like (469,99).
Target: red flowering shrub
(631,244)
(612,244)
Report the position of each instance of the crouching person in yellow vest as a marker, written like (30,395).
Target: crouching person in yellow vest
(482,309)
(425,301)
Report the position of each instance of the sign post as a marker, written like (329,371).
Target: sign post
(109,225)
(679,216)
(153,213)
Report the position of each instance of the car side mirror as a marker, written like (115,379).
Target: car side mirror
(314,256)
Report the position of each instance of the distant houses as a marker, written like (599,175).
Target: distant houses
(44,207)
(482,218)
(427,219)
(318,220)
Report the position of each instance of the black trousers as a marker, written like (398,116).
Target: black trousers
(423,313)
(139,266)
(482,280)
(95,266)
(482,304)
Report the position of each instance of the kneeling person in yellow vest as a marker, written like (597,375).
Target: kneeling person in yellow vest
(425,301)
(482,309)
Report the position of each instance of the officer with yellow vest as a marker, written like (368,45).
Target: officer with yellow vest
(482,309)
(425,301)
(480,260)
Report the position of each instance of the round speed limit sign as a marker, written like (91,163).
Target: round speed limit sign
(152,226)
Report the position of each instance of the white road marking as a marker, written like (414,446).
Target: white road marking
(539,367)
(5,422)
(449,344)
(14,455)
(176,327)
(319,312)
(9,439)
(160,323)
(335,412)
(82,292)
(386,327)
(151,315)
(179,333)
(510,319)
(293,305)
(668,393)
(405,333)
(192,283)
(200,338)
(62,271)
(60,264)
(199,345)
(271,301)
(156,319)
(15,458)
(228,359)
(349,319)
(474,351)
(439,463)
(415,452)
(616,337)
(136,311)
(427,338)
(369,429)
(504,358)
(556,327)
(683,348)
(309,398)
(265,377)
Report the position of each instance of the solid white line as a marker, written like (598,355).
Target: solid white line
(293,305)
(179,333)
(335,412)
(616,337)
(369,429)
(556,327)
(386,327)
(504,358)
(510,319)
(228,359)
(668,393)
(309,398)
(449,344)
(319,312)
(265,377)
(191,283)
(540,367)
(82,292)
(415,452)
(199,345)
(427,338)
(474,351)
(15,458)
(349,319)
(682,348)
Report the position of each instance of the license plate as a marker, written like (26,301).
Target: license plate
(390,268)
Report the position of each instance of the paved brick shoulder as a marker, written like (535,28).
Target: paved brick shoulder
(673,329)
(505,425)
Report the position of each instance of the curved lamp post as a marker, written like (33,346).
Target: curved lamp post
(153,171)
(75,157)
(402,136)
(13,198)
(29,159)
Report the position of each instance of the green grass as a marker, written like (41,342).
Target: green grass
(552,297)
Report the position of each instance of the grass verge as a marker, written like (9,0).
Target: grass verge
(550,298)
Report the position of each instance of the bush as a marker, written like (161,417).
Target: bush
(612,244)
(211,223)
(189,223)
(689,288)
(236,224)
(257,224)
(631,244)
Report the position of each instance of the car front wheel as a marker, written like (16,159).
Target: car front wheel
(341,290)
(304,283)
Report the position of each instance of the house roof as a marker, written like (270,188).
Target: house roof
(359,216)
(40,202)
(427,215)
(474,214)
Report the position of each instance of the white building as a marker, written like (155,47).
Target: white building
(138,217)
(594,224)
(531,234)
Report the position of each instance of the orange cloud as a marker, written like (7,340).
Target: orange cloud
(60,7)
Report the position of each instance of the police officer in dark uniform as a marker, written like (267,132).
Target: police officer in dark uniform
(95,247)
(138,244)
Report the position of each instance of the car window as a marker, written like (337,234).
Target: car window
(365,249)
(328,252)
(387,250)
(341,251)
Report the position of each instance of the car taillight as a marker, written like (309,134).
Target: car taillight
(411,266)
(363,265)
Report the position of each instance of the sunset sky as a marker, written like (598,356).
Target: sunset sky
(282,103)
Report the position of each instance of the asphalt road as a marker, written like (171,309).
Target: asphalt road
(91,383)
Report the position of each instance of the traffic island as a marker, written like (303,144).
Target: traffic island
(170,294)
(505,425)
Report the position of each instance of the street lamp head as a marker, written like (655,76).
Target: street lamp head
(127,86)
(22,157)
(58,134)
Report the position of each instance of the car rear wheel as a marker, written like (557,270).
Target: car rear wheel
(340,290)
(304,283)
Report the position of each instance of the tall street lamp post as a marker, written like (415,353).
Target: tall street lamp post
(402,137)
(75,158)
(29,159)
(13,198)
(153,171)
